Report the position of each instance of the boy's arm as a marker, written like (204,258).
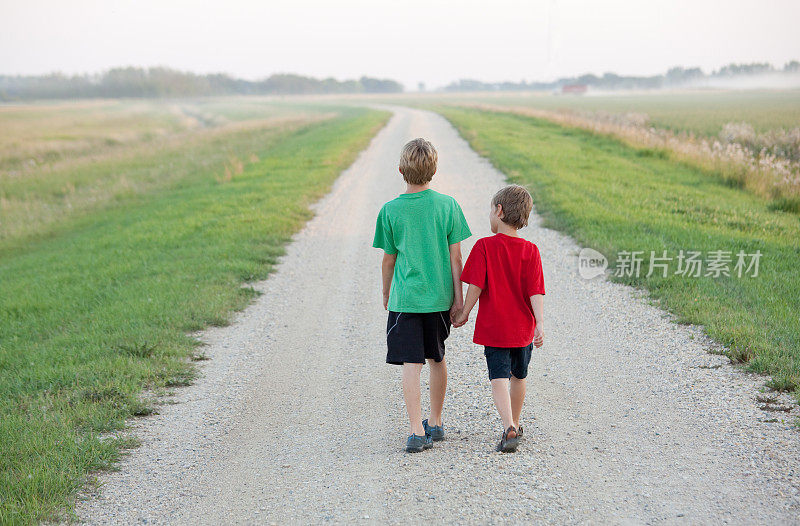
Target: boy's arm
(387,271)
(456,266)
(473,293)
(537,303)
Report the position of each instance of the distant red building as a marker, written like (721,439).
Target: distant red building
(574,89)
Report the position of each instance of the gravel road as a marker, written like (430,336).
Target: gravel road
(296,418)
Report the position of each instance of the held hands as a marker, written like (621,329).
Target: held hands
(459,318)
(538,336)
(455,311)
(458,315)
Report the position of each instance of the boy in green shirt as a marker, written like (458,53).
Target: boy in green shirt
(420,233)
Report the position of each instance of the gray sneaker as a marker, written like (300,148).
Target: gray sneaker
(435,432)
(417,443)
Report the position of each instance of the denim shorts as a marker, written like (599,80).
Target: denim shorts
(503,362)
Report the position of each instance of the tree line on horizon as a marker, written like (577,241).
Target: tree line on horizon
(674,77)
(158,82)
(161,82)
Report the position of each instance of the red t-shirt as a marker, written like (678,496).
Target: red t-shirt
(509,271)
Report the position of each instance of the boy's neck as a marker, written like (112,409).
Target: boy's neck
(508,230)
(414,188)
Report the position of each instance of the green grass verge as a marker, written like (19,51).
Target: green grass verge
(95,312)
(613,197)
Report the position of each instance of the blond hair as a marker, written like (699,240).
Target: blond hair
(517,204)
(418,161)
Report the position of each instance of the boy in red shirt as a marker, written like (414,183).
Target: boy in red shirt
(505,272)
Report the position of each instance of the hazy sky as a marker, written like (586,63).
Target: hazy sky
(411,41)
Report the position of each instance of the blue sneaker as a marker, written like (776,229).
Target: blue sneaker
(435,432)
(417,443)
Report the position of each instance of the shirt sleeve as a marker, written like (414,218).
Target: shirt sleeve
(474,271)
(460,229)
(535,276)
(383,234)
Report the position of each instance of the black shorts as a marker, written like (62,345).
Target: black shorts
(413,337)
(506,361)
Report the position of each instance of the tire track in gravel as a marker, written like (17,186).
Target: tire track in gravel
(296,418)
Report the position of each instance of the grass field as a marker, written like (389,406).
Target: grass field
(101,282)
(699,112)
(63,160)
(613,198)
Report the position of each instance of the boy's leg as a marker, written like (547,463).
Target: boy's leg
(411,395)
(436,328)
(498,361)
(517,398)
(438,389)
(520,358)
(502,400)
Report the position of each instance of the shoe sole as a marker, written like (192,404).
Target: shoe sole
(418,449)
(511,445)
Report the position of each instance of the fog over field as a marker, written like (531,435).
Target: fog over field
(767,81)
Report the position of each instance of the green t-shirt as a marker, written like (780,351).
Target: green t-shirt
(420,228)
